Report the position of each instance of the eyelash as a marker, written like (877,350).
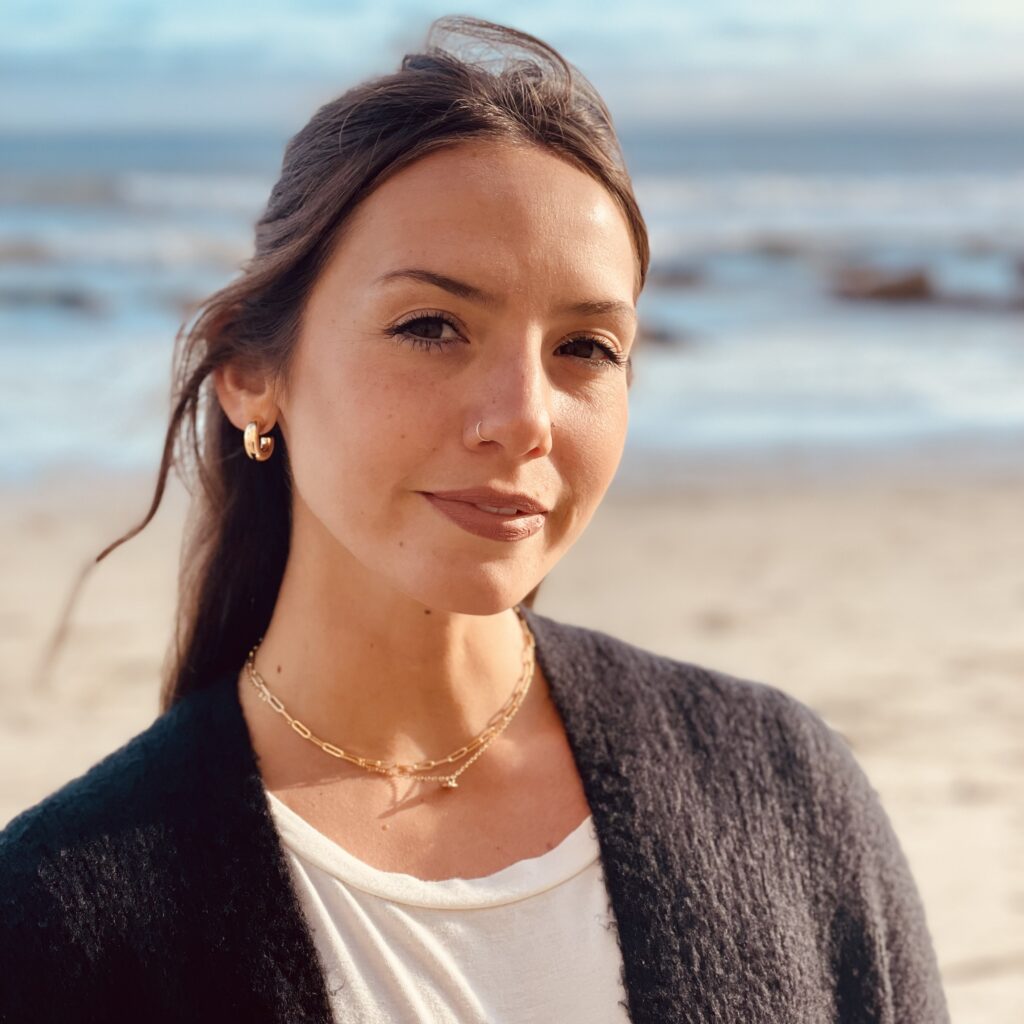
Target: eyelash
(400,331)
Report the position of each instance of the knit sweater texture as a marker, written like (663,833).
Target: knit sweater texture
(751,869)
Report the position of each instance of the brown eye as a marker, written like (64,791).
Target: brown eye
(426,326)
(590,350)
(425,331)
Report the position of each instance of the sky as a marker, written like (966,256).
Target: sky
(112,64)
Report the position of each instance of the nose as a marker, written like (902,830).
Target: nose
(512,403)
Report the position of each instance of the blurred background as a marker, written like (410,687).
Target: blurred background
(823,479)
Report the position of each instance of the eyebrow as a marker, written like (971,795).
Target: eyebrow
(587,307)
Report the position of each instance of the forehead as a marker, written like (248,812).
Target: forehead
(514,213)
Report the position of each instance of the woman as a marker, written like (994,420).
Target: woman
(382,787)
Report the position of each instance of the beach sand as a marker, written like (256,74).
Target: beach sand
(891,602)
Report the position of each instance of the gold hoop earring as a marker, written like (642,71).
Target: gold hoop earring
(257,447)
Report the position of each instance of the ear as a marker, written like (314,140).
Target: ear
(245,394)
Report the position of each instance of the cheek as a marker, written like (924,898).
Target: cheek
(587,452)
(356,426)
(596,434)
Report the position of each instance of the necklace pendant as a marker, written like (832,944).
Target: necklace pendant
(450,784)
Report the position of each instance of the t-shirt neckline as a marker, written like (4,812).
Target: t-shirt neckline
(518,881)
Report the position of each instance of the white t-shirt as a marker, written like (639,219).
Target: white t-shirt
(534,942)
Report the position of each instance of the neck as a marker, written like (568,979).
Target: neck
(378,674)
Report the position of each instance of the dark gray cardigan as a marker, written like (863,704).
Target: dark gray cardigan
(751,868)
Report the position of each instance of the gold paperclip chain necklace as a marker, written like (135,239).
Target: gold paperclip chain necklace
(498,722)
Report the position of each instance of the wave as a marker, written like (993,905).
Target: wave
(823,213)
(153,191)
(124,245)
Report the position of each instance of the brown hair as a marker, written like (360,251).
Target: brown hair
(238,532)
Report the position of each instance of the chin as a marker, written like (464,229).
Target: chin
(482,593)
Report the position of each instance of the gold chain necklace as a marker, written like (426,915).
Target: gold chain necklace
(498,722)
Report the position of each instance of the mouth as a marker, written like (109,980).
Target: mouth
(496,522)
(503,513)
(495,501)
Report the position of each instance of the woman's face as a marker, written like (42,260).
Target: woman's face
(485,283)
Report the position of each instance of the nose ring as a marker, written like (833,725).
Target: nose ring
(481,436)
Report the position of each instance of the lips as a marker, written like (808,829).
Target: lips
(493,499)
(499,524)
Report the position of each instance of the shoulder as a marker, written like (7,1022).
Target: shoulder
(115,789)
(744,749)
(63,857)
(777,788)
(724,701)
(746,743)
(724,721)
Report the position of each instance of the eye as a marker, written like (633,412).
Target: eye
(426,330)
(588,345)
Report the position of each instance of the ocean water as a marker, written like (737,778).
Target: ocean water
(105,238)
